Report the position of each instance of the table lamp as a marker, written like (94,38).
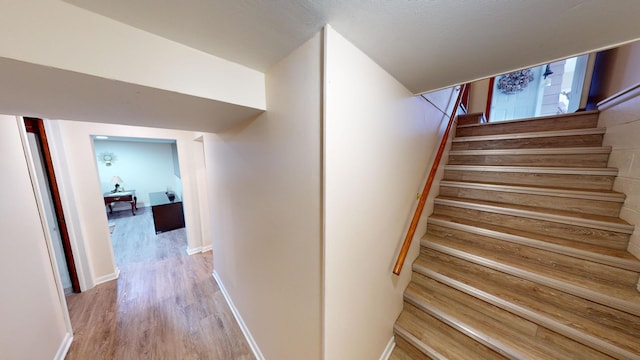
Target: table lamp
(117,180)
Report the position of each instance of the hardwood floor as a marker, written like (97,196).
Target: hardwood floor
(165,304)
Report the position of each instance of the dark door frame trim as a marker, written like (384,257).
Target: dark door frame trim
(36,126)
(487,110)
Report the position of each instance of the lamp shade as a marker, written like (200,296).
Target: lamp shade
(116,180)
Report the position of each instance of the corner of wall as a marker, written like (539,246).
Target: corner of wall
(107,278)
(193,251)
(64,347)
(386,354)
(67,196)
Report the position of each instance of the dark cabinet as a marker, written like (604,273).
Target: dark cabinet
(167,214)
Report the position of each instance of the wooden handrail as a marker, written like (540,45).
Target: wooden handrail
(427,187)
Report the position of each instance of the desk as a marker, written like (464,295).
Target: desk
(167,214)
(122,196)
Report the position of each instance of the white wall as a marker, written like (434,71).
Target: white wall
(76,167)
(33,325)
(378,143)
(265,182)
(204,199)
(623,130)
(478,96)
(143,166)
(619,114)
(623,69)
(63,36)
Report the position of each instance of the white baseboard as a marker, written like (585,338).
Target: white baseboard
(243,326)
(389,349)
(199,249)
(104,279)
(64,347)
(195,250)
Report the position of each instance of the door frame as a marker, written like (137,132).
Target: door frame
(36,126)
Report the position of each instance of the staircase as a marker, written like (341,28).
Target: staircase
(525,255)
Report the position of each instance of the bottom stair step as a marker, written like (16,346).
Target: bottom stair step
(499,331)
(438,340)
(609,331)
(405,351)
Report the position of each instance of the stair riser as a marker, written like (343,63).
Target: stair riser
(540,259)
(410,349)
(576,122)
(616,327)
(546,142)
(585,206)
(590,182)
(562,160)
(466,119)
(611,239)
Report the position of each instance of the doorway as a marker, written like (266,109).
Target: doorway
(549,89)
(515,95)
(142,189)
(41,156)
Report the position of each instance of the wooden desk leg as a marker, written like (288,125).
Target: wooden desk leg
(133,206)
(110,208)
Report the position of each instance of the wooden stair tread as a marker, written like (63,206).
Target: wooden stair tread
(541,156)
(568,177)
(622,298)
(571,228)
(488,324)
(517,296)
(604,255)
(531,135)
(535,151)
(600,195)
(584,272)
(541,141)
(536,169)
(438,341)
(548,123)
(538,119)
(560,216)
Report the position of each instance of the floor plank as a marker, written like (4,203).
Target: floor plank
(165,304)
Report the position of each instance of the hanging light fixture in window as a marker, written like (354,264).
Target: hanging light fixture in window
(546,74)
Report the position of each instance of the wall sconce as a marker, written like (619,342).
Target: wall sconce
(117,180)
(107,158)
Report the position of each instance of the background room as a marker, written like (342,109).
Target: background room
(142,190)
(144,165)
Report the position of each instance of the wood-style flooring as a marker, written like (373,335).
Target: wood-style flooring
(165,304)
